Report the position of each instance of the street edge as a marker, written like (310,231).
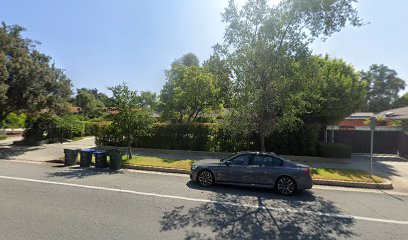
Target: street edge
(387,185)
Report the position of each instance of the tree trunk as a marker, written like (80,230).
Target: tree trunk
(262,140)
(129,141)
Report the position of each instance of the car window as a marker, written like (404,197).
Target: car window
(241,160)
(263,160)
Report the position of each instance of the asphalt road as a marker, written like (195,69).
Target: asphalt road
(43,201)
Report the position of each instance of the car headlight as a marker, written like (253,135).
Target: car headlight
(193,167)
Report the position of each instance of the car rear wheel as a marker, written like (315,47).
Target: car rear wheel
(286,185)
(205,178)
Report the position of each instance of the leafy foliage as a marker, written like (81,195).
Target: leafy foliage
(90,105)
(130,119)
(270,58)
(14,120)
(29,81)
(189,92)
(382,88)
(341,92)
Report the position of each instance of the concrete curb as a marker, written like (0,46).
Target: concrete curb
(156,169)
(387,185)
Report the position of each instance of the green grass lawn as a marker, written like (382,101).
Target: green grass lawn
(344,175)
(3,137)
(159,162)
(317,173)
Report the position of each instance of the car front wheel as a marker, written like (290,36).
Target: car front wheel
(205,178)
(286,186)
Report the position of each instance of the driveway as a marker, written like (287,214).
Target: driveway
(43,153)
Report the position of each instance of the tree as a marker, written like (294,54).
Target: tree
(342,92)
(130,119)
(188,60)
(218,66)
(107,101)
(188,92)
(29,82)
(401,101)
(383,87)
(270,58)
(90,105)
(148,99)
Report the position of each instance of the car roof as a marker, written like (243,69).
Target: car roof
(258,153)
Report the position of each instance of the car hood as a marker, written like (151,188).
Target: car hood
(208,162)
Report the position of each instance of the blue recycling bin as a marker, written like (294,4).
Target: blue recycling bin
(86,157)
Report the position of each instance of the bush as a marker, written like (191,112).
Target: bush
(212,137)
(3,137)
(39,127)
(14,120)
(48,126)
(70,126)
(335,150)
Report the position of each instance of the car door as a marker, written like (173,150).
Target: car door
(265,169)
(236,170)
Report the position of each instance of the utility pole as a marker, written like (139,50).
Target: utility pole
(372,128)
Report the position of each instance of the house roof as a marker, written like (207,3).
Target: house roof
(360,115)
(396,113)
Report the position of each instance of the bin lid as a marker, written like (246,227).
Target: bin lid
(72,149)
(99,152)
(87,150)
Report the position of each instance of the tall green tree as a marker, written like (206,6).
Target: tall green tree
(342,92)
(270,58)
(188,60)
(130,118)
(90,105)
(149,99)
(188,93)
(29,81)
(218,66)
(401,101)
(383,86)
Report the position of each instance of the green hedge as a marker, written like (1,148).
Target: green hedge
(53,128)
(334,150)
(211,137)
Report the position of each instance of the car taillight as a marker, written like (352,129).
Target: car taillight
(306,171)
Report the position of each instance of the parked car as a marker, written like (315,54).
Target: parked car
(253,169)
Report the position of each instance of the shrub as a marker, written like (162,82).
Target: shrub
(39,127)
(70,126)
(335,150)
(213,137)
(14,120)
(2,137)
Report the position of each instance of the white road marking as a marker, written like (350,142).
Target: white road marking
(284,210)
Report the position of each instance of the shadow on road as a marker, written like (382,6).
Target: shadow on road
(277,217)
(15,151)
(77,172)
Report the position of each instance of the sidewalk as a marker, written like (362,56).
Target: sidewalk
(390,167)
(43,153)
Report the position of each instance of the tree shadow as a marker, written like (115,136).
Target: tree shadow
(269,216)
(10,153)
(78,172)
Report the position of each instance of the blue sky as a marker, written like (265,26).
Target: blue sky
(102,43)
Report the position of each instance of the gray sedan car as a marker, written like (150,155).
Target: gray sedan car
(253,169)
